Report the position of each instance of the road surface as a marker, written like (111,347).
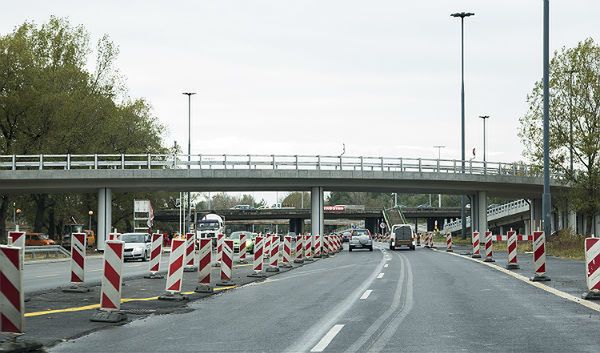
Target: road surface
(380,301)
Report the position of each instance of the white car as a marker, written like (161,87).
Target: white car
(360,239)
(137,246)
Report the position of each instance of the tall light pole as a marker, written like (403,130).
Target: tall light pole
(484,118)
(546,198)
(462,16)
(189,199)
(90,213)
(439,157)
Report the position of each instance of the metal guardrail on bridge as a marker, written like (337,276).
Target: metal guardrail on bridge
(494,213)
(260,162)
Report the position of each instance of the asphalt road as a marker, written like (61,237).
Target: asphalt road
(425,301)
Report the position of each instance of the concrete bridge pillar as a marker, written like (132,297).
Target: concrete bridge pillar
(474,213)
(296,225)
(536,215)
(104,216)
(482,222)
(372,224)
(316,210)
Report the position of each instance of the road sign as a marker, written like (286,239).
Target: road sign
(382,225)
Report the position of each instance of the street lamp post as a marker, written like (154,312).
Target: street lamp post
(462,16)
(189,199)
(90,213)
(484,118)
(439,148)
(546,198)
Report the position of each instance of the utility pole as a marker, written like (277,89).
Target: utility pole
(189,198)
(484,118)
(546,197)
(439,148)
(462,16)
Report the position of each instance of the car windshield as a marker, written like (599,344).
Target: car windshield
(360,232)
(208,225)
(133,237)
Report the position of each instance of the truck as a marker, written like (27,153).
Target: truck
(402,235)
(209,226)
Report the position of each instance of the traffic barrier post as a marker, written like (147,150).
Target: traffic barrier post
(220,239)
(511,246)
(227,263)
(317,239)
(190,252)
(539,257)
(267,246)
(204,266)
(308,239)
(489,247)
(113,236)
(112,280)
(78,255)
(299,258)
(175,271)
(449,242)
(325,249)
(592,267)
(475,242)
(274,256)
(12,299)
(155,256)
(242,249)
(257,265)
(286,260)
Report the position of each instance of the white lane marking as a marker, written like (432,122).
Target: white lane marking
(324,342)
(366,294)
(558,293)
(380,275)
(305,341)
(386,265)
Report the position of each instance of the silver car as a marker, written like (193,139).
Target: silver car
(360,239)
(137,246)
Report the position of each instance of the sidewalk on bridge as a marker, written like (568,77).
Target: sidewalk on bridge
(566,275)
(53,316)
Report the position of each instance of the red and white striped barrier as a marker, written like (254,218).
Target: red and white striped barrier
(519,237)
(12,306)
(257,264)
(242,250)
(317,238)
(220,239)
(175,272)
(308,242)
(17,239)
(299,258)
(113,236)
(190,252)
(274,256)
(204,266)
(112,279)
(286,260)
(449,242)
(489,248)
(78,246)
(592,266)
(155,256)
(325,251)
(267,246)
(475,242)
(511,247)
(427,241)
(226,263)
(539,257)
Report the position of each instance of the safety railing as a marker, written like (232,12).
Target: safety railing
(493,213)
(261,162)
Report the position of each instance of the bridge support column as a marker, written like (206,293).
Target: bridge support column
(297,225)
(482,222)
(372,224)
(104,216)
(536,215)
(474,213)
(316,210)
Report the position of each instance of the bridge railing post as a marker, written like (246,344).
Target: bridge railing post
(249,162)
(341,163)
(68,161)
(454,168)
(273,161)
(149,161)
(514,169)
(95,161)
(362,164)
(484,168)
(224,161)
(297,166)
(382,164)
(401,164)
(438,165)
(200,161)
(41,166)
(122,161)
(14,162)
(419,165)
(470,167)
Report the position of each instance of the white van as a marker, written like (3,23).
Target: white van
(402,235)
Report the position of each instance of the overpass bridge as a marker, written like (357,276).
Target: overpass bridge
(169,172)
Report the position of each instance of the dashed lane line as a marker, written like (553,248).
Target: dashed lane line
(329,336)
(380,275)
(557,292)
(386,265)
(366,294)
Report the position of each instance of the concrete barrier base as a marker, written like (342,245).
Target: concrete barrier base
(225,284)
(272,269)
(203,288)
(154,276)
(298,261)
(537,278)
(475,256)
(173,297)
(108,316)
(591,295)
(190,269)
(512,267)
(449,250)
(489,259)
(257,275)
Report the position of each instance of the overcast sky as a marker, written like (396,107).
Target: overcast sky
(303,77)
